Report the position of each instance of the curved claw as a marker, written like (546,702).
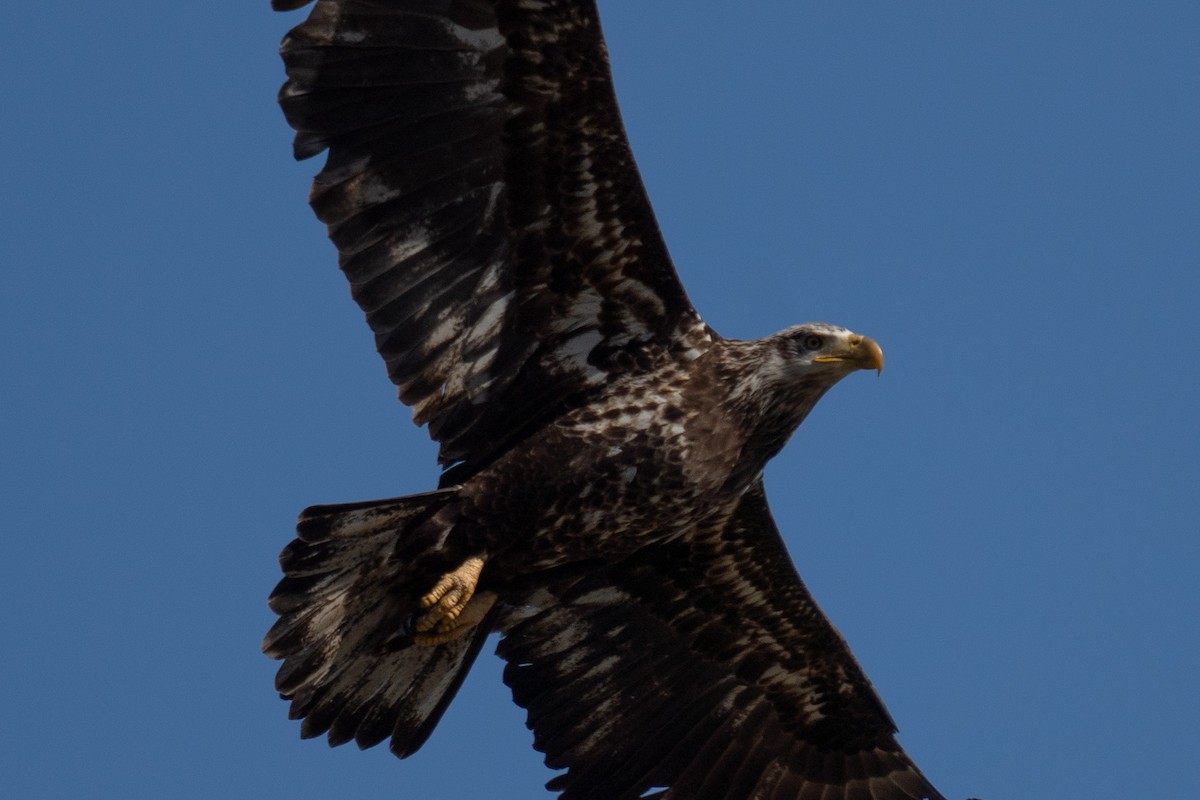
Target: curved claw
(447,629)
(450,595)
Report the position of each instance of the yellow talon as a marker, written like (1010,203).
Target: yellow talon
(450,628)
(449,596)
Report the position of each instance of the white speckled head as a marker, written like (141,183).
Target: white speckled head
(817,347)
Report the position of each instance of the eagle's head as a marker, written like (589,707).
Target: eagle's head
(826,351)
(776,380)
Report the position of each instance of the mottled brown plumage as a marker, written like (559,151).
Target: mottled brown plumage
(602,502)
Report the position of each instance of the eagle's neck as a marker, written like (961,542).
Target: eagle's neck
(768,394)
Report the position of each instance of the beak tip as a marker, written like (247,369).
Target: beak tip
(873,355)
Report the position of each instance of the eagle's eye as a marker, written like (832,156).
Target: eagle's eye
(812,342)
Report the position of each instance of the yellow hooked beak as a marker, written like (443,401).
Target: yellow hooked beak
(861,351)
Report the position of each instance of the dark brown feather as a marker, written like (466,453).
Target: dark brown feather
(760,691)
(486,206)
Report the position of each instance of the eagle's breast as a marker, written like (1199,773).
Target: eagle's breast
(646,459)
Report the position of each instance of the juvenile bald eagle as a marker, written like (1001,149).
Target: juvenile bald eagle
(602,502)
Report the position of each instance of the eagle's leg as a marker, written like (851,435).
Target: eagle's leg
(449,596)
(449,629)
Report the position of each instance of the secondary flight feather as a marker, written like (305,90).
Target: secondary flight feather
(601,504)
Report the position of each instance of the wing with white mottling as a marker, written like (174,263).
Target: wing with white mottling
(485,205)
(703,669)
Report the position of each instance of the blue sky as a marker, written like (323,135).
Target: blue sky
(1005,195)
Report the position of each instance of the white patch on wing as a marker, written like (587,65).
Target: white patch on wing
(584,311)
(444,331)
(773,674)
(572,660)
(593,518)
(578,347)
(474,92)
(603,666)
(483,39)
(374,190)
(812,713)
(489,213)
(333,607)
(491,278)
(605,595)
(414,242)
(488,326)
(566,639)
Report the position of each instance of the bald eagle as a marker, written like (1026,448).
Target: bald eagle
(601,503)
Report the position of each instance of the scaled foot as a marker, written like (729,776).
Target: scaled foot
(449,597)
(449,629)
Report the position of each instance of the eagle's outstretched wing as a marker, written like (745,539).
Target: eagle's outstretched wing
(704,666)
(485,204)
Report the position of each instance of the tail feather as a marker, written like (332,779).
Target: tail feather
(346,604)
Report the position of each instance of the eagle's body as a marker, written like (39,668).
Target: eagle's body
(680,440)
(602,503)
